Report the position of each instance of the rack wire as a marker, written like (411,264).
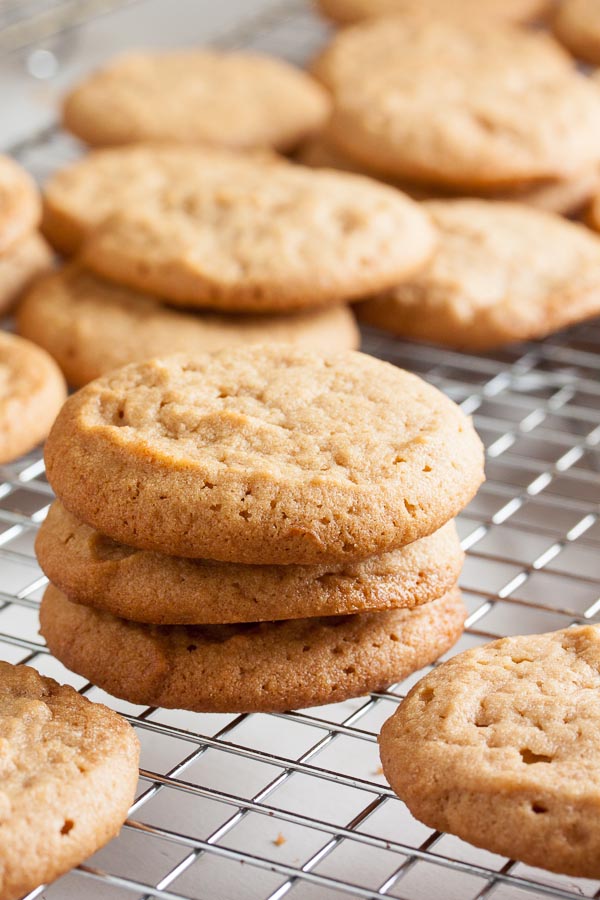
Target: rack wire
(264,807)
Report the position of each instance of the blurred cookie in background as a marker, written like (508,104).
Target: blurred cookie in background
(503,272)
(238,100)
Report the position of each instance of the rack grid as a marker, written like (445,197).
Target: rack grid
(257,806)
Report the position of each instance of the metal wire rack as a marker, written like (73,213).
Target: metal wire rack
(261,807)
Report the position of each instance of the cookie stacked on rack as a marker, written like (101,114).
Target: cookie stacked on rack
(258,529)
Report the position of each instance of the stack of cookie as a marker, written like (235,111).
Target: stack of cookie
(458,105)
(259,529)
(182,249)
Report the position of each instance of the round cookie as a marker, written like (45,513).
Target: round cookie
(348,11)
(503,272)
(19,203)
(91,326)
(264,454)
(501,746)
(69,772)
(32,390)
(166,590)
(250,235)
(577,26)
(237,100)
(19,265)
(478,108)
(264,667)
(564,196)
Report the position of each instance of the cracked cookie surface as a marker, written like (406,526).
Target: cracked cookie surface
(500,746)
(264,454)
(68,771)
(238,232)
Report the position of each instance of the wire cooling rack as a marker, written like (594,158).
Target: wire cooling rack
(260,807)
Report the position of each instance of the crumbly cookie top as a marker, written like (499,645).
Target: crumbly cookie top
(281,412)
(527,708)
(49,733)
(251,233)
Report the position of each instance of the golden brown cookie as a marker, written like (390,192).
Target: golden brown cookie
(238,100)
(479,107)
(19,203)
(566,196)
(577,26)
(347,11)
(166,590)
(32,390)
(253,236)
(19,265)
(265,667)
(91,326)
(264,454)
(501,746)
(503,272)
(69,771)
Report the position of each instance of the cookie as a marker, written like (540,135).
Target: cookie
(577,26)
(237,100)
(485,107)
(501,746)
(503,272)
(91,326)
(69,772)
(566,196)
(19,203)
(165,590)
(261,667)
(19,265)
(32,390)
(250,235)
(77,198)
(264,455)
(348,11)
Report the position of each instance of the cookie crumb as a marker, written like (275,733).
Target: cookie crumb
(279,840)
